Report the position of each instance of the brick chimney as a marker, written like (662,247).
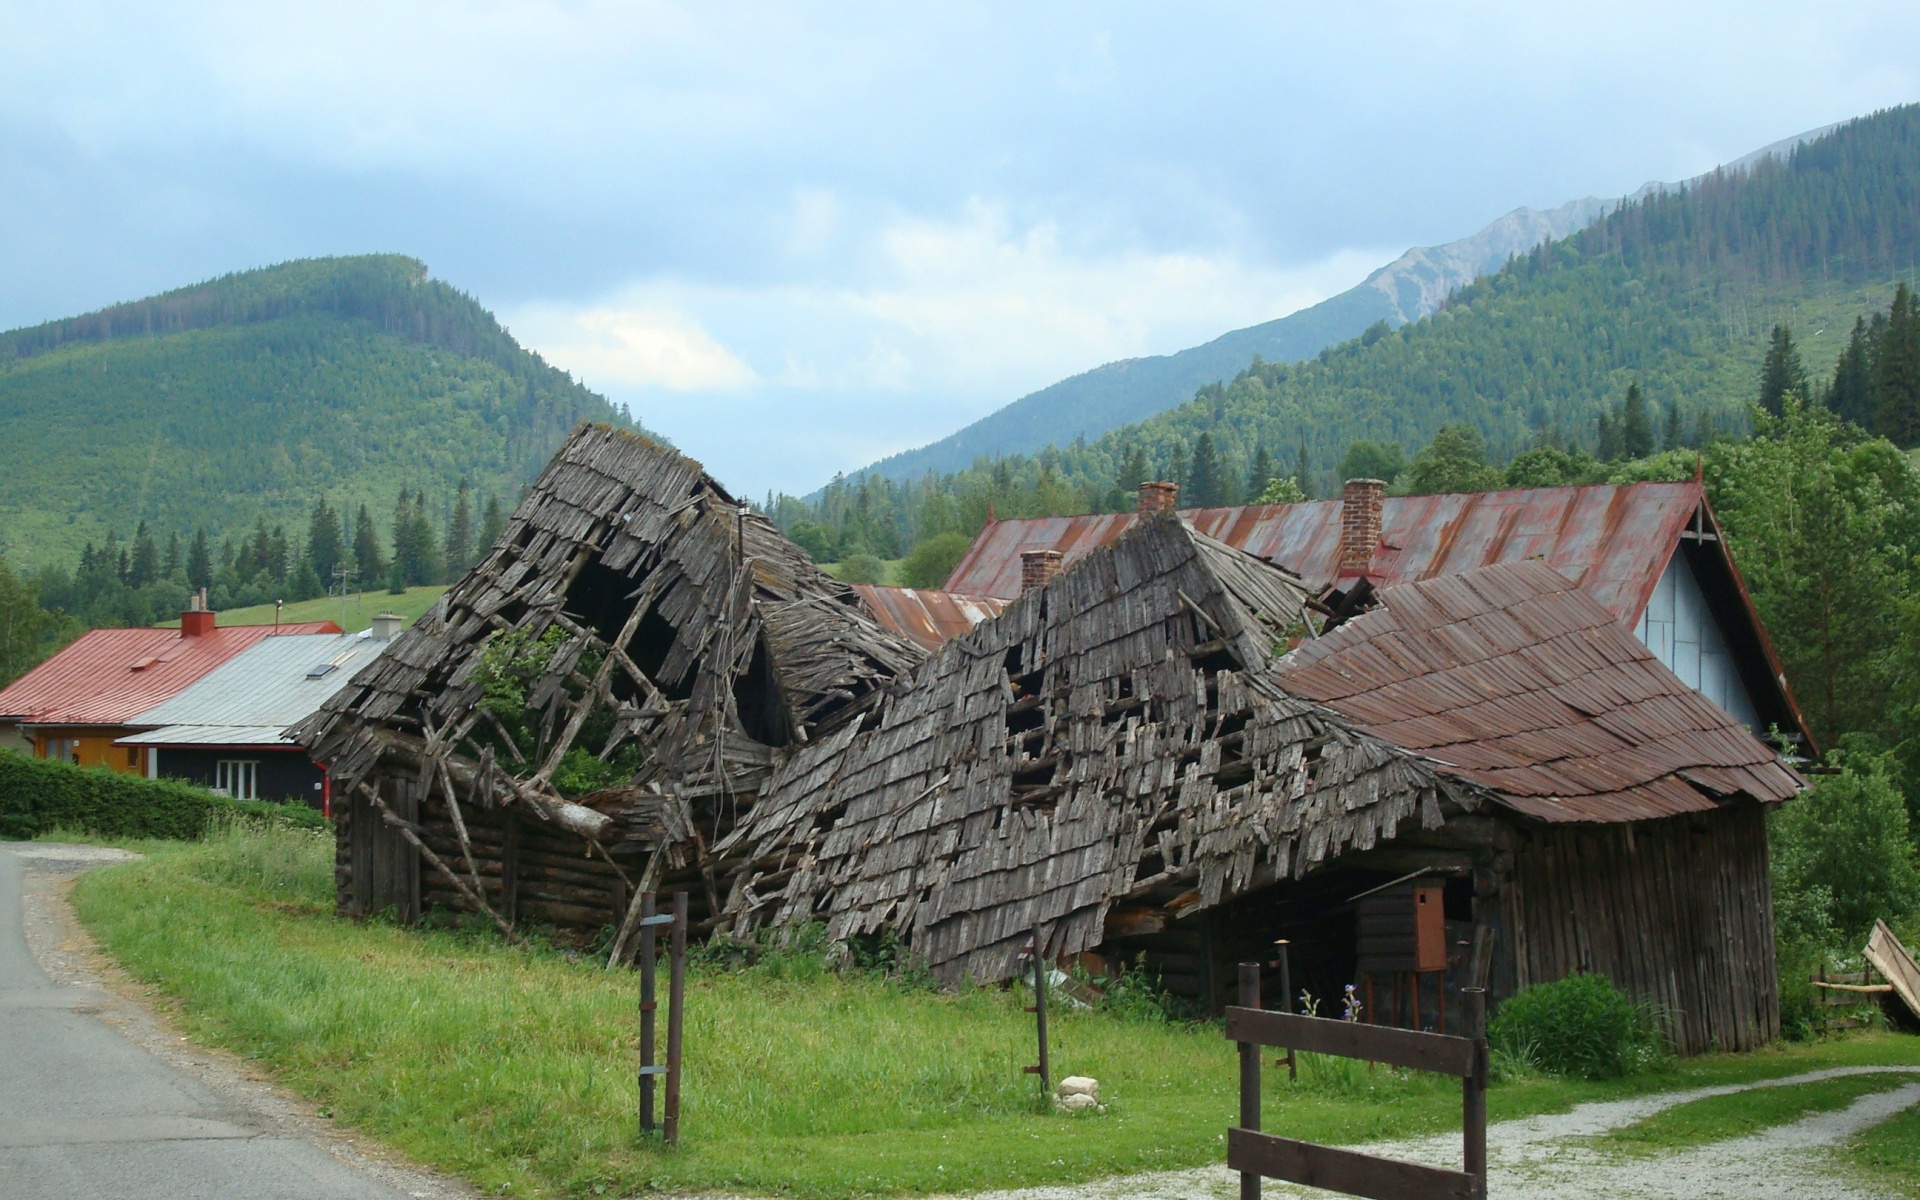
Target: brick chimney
(1360,524)
(1037,568)
(1158,496)
(198,619)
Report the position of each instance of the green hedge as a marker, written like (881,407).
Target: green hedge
(38,795)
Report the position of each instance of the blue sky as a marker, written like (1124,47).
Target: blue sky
(798,238)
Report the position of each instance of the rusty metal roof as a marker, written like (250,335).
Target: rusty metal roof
(927,617)
(1612,539)
(1513,677)
(109,676)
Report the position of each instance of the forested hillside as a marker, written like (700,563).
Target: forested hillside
(250,397)
(1676,293)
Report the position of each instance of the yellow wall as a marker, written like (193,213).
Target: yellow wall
(90,747)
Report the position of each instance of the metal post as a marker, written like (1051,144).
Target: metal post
(1249,1075)
(1286,1003)
(676,1014)
(1473,1105)
(647,1007)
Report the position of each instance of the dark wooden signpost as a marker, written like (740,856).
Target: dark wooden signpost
(669,1129)
(1039,1010)
(1258,1155)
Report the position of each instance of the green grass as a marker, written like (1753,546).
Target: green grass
(513,1066)
(1889,1153)
(890,574)
(356,613)
(1717,1118)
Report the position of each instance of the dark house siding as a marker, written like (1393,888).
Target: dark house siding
(1677,912)
(283,775)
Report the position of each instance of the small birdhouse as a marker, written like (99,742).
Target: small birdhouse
(1403,928)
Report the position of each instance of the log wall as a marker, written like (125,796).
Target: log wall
(1678,912)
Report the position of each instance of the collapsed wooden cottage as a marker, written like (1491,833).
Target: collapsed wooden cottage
(1126,760)
(637,633)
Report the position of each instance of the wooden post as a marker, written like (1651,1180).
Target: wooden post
(1473,1091)
(1286,1002)
(1039,1010)
(676,1014)
(647,1006)
(1249,1075)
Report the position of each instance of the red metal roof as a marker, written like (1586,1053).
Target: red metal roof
(1612,539)
(927,617)
(108,676)
(1514,678)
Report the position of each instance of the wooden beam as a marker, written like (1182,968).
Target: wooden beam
(1351,1039)
(1346,1171)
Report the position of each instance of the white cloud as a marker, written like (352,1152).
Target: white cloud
(636,348)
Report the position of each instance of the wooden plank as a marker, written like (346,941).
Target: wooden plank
(1891,959)
(1439,1052)
(1345,1171)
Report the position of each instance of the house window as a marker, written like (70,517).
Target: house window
(238,777)
(63,749)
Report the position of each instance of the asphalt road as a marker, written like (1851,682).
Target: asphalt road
(85,1112)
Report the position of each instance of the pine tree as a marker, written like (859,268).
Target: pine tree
(1636,431)
(1203,478)
(326,542)
(1704,433)
(1262,471)
(143,566)
(1897,372)
(1303,472)
(492,524)
(1851,395)
(1608,449)
(279,555)
(460,534)
(1675,437)
(199,561)
(1782,372)
(171,566)
(367,560)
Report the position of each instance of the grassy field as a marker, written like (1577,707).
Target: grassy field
(1718,1118)
(352,615)
(513,1066)
(890,569)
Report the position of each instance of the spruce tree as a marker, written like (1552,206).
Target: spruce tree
(279,555)
(1675,437)
(143,565)
(199,561)
(1897,372)
(1636,431)
(492,524)
(1609,438)
(370,565)
(1782,372)
(460,534)
(1303,472)
(1851,395)
(1262,471)
(1203,478)
(326,542)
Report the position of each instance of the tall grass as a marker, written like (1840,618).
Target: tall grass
(513,1066)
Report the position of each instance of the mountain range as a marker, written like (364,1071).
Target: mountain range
(1410,287)
(251,396)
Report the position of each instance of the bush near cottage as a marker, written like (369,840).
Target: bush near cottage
(1581,1027)
(39,795)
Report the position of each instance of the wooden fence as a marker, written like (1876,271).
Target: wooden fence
(1258,1155)
(676,1011)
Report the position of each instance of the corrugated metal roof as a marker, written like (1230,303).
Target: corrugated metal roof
(1612,539)
(278,682)
(1515,678)
(927,617)
(212,735)
(108,676)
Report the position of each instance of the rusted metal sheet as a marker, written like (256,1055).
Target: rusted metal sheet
(927,617)
(1612,539)
(1513,677)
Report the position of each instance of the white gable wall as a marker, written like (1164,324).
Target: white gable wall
(1680,630)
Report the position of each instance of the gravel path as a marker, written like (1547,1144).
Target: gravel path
(1548,1157)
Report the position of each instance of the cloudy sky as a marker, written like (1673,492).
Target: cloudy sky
(798,238)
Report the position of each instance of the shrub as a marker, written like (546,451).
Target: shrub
(1843,856)
(862,568)
(39,794)
(929,563)
(1582,1026)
